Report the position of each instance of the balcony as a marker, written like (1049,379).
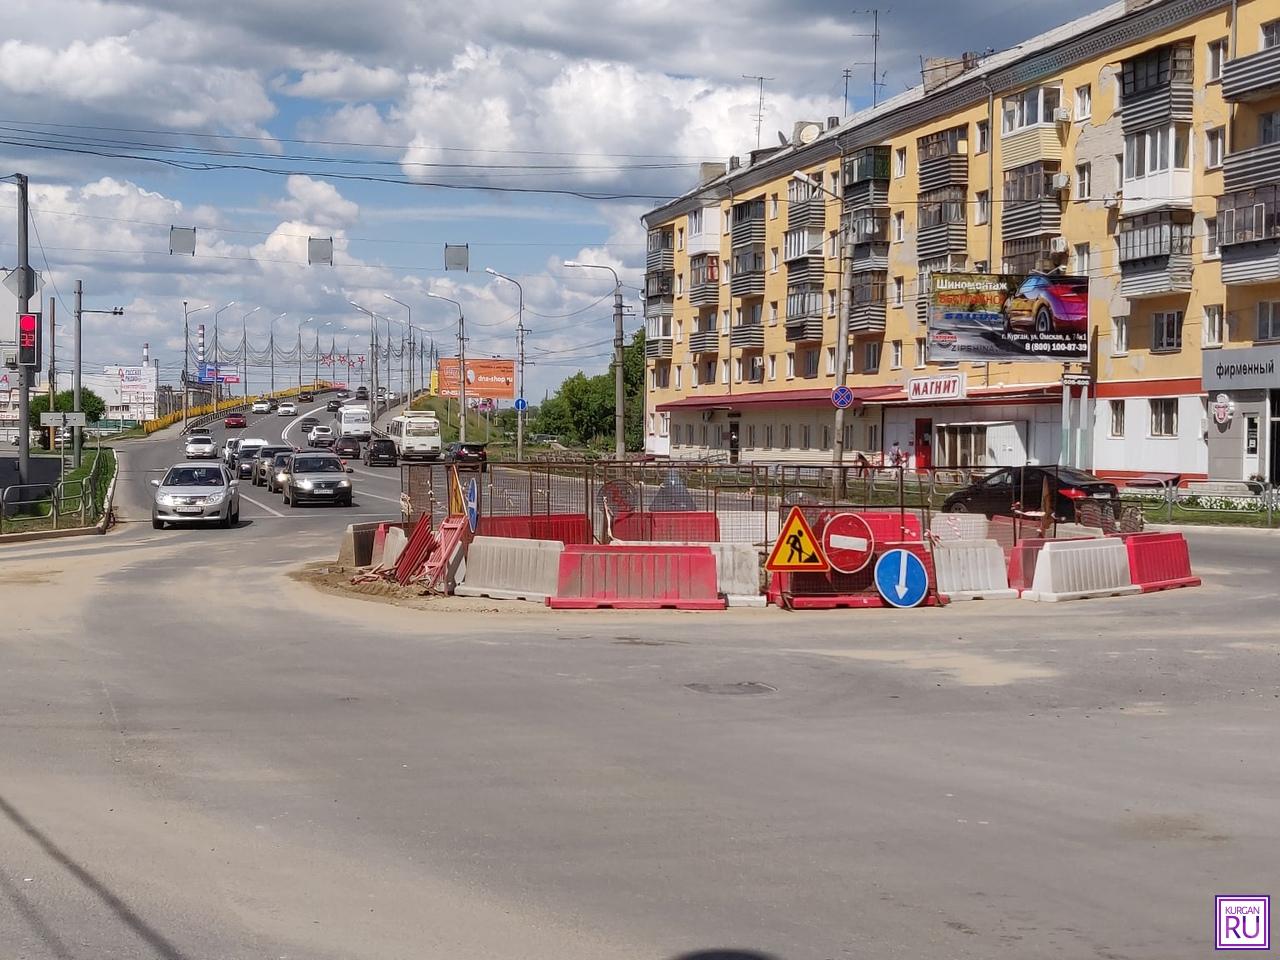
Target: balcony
(747,223)
(810,212)
(1249,235)
(804,313)
(1252,168)
(1156,88)
(659,284)
(1252,77)
(941,240)
(705,341)
(1039,218)
(1155,255)
(705,294)
(747,284)
(804,329)
(704,280)
(747,336)
(658,307)
(661,255)
(1168,189)
(868,165)
(657,349)
(867,317)
(867,299)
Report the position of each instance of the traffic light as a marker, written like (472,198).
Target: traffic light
(30,340)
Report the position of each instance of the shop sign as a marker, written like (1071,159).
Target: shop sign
(949,386)
(1250,368)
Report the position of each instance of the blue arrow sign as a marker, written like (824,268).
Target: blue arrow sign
(842,397)
(473,503)
(901,578)
(522,404)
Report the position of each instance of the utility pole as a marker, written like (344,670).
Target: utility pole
(462,369)
(24,306)
(77,440)
(519,362)
(52,388)
(759,114)
(186,350)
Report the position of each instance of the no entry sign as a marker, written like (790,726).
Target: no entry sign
(848,542)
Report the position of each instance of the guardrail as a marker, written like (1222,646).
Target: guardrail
(67,504)
(1177,504)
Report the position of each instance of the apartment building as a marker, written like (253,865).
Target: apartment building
(1138,147)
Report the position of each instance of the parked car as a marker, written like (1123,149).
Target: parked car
(200,447)
(348,447)
(320,436)
(996,493)
(317,476)
(196,492)
(334,405)
(246,457)
(287,409)
(1048,305)
(262,462)
(306,396)
(380,450)
(278,471)
(234,421)
(468,455)
(260,406)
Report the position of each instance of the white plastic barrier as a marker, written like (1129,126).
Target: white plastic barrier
(506,568)
(393,545)
(958,526)
(972,569)
(1078,569)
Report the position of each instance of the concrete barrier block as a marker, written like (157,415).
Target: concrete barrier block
(1079,569)
(392,546)
(505,568)
(958,526)
(356,548)
(972,569)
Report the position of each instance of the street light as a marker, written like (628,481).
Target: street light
(77,433)
(520,406)
(271,345)
(842,321)
(462,368)
(244,343)
(373,343)
(217,372)
(301,324)
(409,311)
(619,393)
(186,354)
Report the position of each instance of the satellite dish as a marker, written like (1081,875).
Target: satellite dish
(810,132)
(782,139)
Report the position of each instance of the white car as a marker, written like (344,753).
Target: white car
(201,448)
(320,436)
(287,409)
(260,406)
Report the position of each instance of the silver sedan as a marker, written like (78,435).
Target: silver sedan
(196,493)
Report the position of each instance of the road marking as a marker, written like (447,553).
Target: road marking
(361,493)
(274,513)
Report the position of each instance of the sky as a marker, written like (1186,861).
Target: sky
(533,133)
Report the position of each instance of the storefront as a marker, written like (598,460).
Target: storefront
(1243,390)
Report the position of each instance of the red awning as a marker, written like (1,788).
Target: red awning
(815,397)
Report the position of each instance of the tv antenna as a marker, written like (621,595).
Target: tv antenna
(758,116)
(876,80)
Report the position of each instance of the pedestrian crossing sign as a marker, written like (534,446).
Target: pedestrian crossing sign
(797,550)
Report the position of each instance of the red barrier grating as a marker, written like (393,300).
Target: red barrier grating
(678,526)
(565,527)
(636,578)
(416,552)
(1159,561)
(822,591)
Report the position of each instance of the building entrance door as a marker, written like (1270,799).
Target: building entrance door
(1251,449)
(735,439)
(924,443)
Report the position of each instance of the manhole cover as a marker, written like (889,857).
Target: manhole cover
(732,689)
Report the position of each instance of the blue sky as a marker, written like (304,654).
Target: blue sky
(619,99)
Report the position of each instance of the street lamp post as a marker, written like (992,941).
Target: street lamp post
(186,354)
(301,324)
(409,311)
(373,347)
(619,390)
(520,406)
(462,367)
(244,345)
(217,370)
(271,347)
(80,311)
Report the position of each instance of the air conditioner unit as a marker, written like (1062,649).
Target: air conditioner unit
(1058,245)
(1062,115)
(1060,182)
(1111,201)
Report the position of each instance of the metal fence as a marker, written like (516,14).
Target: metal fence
(66,504)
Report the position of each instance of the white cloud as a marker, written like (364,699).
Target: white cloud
(340,78)
(318,202)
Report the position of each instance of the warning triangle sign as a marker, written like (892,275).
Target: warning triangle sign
(797,550)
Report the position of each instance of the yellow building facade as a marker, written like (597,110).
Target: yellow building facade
(1138,146)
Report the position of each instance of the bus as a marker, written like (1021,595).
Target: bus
(416,433)
(353,421)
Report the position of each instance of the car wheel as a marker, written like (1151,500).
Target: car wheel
(157,523)
(348,502)
(235,518)
(1044,320)
(292,500)
(225,522)
(956,508)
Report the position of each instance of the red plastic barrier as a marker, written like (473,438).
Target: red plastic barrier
(521,528)
(565,527)
(886,527)
(668,525)
(636,578)
(1159,561)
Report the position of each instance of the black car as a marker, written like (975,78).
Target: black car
(380,450)
(333,406)
(362,393)
(468,455)
(274,404)
(348,447)
(317,477)
(246,459)
(306,423)
(306,396)
(997,493)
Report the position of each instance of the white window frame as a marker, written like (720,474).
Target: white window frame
(1215,56)
(773,313)
(737,369)
(1084,181)
(1268,320)
(1268,128)
(1269,35)
(1211,326)
(831,361)
(899,226)
(1080,256)
(1083,103)
(724,371)
(1215,147)
(982,137)
(1157,407)
(1166,331)
(1119,336)
(833,303)
(899,163)
(982,208)
(679,376)
(774,206)
(679,238)
(773,366)
(1014,109)
(1116,427)
(773,256)
(921,353)
(899,291)
(871,355)
(1211,249)
(895,355)
(791,365)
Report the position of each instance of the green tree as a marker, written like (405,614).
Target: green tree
(64,402)
(581,411)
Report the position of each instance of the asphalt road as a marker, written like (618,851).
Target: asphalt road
(205,759)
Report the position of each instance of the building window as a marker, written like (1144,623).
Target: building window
(1084,102)
(982,137)
(980,266)
(791,366)
(1214,143)
(1164,416)
(1269,320)
(773,206)
(831,361)
(809,361)
(895,355)
(1166,330)
(773,366)
(873,437)
(848,360)
(1271,35)
(833,303)
(834,179)
(751,435)
(1156,68)
(804,436)
(920,353)
(737,370)
(900,162)
(1080,265)
(1084,181)
(1211,238)
(897,291)
(786,436)
(1212,325)
(688,434)
(1156,151)
(773,313)
(664,425)
(679,284)
(944,205)
(833,244)
(768,436)
(1117,418)
(1029,108)
(983,211)
(680,238)
(679,376)
(1216,51)
(871,357)
(724,371)
(1119,336)
(1269,128)
(899,226)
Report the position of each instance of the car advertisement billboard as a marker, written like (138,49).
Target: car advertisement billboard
(486,379)
(992,317)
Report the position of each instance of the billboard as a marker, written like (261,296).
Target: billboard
(995,317)
(486,379)
(207,371)
(133,379)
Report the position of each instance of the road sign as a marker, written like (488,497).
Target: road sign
(842,397)
(901,578)
(797,550)
(13,282)
(473,503)
(57,419)
(522,404)
(848,542)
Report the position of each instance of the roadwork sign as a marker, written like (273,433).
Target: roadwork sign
(902,579)
(848,542)
(797,550)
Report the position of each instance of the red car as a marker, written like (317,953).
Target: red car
(234,420)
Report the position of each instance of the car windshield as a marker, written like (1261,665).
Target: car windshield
(272,451)
(317,465)
(200,440)
(382,446)
(319,430)
(248,452)
(280,460)
(194,477)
